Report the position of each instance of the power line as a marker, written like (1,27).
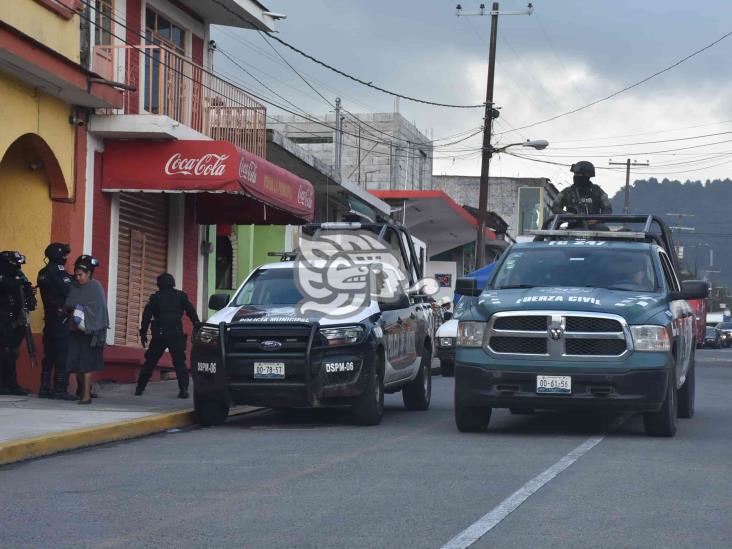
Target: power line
(368,84)
(631,86)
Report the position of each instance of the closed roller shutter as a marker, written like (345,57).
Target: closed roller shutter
(142,256)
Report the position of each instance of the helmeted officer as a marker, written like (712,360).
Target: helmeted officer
(583,196)
(165,308)
(55,282)
(14,285)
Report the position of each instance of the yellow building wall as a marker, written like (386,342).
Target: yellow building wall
(24,110)
(43,25)
(25,213)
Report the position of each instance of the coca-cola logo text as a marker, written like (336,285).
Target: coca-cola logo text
(248,170)
(305,196)
(208,164)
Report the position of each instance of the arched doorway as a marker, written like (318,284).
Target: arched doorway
(29,175)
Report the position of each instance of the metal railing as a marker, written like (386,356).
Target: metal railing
(170,84)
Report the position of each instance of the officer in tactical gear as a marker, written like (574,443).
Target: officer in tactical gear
(16,295)
(583,196)
(165,308)
(55,283)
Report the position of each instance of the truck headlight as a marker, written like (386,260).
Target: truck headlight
(650,338)
(470,334)
(342,335)
(447,342)
(207,335)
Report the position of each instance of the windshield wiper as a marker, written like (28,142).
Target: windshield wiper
(516,287)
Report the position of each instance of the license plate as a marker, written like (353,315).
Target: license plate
(269,370)
(554,384)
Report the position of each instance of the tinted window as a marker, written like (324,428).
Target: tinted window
(711,332)
(577,266)
(269,287)
(725,325)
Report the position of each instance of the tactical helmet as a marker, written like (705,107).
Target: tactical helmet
(12,258)
(86,263)
(166,280)
(57,251)
(583,167)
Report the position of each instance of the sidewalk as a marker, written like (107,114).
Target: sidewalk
(33,427)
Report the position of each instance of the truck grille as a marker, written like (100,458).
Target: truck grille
(559,335)
(519,345)
(522,323)
(255,339)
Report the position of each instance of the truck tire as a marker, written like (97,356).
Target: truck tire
(368,408)
(447,368)
(472,419)
(417,393)
(663,422)
(686,393)
(210,412)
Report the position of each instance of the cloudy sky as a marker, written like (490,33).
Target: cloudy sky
(565,55)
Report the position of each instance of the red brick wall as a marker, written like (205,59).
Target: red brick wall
(134,30)
(101,226)
(190,251)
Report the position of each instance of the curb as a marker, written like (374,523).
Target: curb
(23,449)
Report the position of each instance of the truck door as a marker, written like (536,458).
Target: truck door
(683,320)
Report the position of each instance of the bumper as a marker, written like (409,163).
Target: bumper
(331,377)
(596,386)
(446,354)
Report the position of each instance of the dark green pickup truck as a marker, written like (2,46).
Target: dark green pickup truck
(581,319)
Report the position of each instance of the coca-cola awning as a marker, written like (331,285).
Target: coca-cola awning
(228,176)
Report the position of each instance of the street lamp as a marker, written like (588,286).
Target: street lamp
(539,145)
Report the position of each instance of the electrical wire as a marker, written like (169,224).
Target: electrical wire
(629,87)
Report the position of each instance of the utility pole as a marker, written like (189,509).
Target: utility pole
(338,138)
(627,164)
(359,154)
(490,114)
(679,229)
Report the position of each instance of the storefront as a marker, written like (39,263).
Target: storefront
(164,195)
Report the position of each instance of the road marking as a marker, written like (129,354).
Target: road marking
(487,522)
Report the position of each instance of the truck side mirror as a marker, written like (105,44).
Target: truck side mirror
(218,301)
(467,286)
(690,289)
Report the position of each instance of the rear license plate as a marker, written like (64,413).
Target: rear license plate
(554,384)
(269,370)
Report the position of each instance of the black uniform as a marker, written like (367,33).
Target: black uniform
(55,283)
(13,283)
(165,308)
(582,199)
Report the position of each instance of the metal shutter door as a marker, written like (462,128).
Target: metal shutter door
(142,256)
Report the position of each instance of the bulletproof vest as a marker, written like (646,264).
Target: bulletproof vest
(584,199)
(11,281)
(54,283)
(168,307)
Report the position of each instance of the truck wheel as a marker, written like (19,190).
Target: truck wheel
(368,408)
(686,393)
(210,412)
(472,419)
(417,393)
(447,368)
(663,422)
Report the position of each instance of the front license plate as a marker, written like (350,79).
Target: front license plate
(554,384)
(269,370)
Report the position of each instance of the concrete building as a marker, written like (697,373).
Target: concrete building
(523,202)
(381,151)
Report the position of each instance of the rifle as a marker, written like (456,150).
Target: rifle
(25,319)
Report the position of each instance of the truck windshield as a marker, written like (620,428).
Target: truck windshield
(269,287)
(577,266)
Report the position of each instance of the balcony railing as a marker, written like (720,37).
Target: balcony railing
(168,83)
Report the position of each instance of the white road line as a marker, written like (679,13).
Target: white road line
(486,523)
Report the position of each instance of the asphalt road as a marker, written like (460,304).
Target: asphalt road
(313,479)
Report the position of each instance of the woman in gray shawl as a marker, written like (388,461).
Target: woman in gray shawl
(89,321)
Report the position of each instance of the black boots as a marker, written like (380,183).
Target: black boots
(142,382)
(61,386)
(46,391)
(183,392)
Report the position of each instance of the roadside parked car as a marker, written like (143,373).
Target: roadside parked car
(258,350)
(726,328)
(713,338)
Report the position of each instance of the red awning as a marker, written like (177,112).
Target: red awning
(217,167)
